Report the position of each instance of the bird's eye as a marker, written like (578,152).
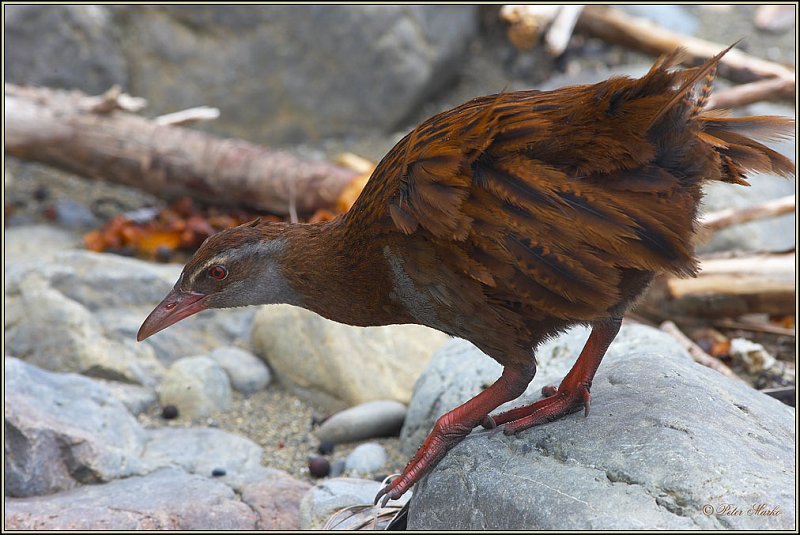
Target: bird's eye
(217,272)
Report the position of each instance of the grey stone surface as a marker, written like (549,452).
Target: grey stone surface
(326,498)
(199,450)
(248,374)
(62,430)
(91,305)
(74,47)
(366,458)
(458,372)
(372,419)
(30,244)
(275,65)
(198,386)
(166,499)
(75,340)
(135,398)
(667,442)
(341,364)
(275,497)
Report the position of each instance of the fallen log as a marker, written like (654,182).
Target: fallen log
(94,137)
(726,288)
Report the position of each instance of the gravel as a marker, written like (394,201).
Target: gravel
(279,422)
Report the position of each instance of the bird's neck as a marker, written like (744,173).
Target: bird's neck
(337,275)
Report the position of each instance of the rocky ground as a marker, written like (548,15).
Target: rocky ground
(87,444)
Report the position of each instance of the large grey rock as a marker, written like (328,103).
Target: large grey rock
(349,364)
(248,374)
(74,47)
(197,386)
(74,340)
(667,442)
(91,305)
(167,499)
(201,450)
(136,398)
(379,418)
(328,497)
(275,497)
(458,372)
(30,244)
(276,65)
(62,430)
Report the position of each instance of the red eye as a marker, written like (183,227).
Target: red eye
(217,272)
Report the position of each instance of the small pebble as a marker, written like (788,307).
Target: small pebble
(127,250)
(73,214)
(367,458)
(325,447)
(218,472)
(163,253)
(41,193)
(337,468)
(378,418)
(318,466)
(169,412)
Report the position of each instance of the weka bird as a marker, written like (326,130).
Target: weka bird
(503,221)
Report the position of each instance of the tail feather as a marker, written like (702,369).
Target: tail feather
(691,77)
(741,153)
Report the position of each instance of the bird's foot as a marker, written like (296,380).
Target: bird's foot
(446,434)
(558,403)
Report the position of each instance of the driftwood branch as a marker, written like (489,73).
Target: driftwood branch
(755,327)
(614,26)
(697,352)
(745,94)
(91,137)
(727,218)
(192,115)
(726,287)
(557,37)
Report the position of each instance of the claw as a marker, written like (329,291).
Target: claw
(381,492)
(587,401)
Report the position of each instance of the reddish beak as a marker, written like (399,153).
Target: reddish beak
(175,306)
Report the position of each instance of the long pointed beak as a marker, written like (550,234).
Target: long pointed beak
(175,306)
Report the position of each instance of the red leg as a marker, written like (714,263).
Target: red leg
(572,393)
(452,427)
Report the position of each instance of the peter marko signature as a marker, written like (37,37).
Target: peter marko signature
(728,509)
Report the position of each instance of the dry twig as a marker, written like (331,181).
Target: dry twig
(697,352)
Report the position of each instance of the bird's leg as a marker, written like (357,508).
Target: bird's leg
(453,426)
(573,392)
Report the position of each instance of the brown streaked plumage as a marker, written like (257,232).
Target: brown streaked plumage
(503,221)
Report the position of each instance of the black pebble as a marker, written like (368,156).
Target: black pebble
(319,466)
(163,253)
(325,447)
(218,472)
(169,412)
(41,193)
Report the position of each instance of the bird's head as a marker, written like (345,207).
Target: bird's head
(236,267)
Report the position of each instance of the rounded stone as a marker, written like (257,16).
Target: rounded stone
(197,386)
